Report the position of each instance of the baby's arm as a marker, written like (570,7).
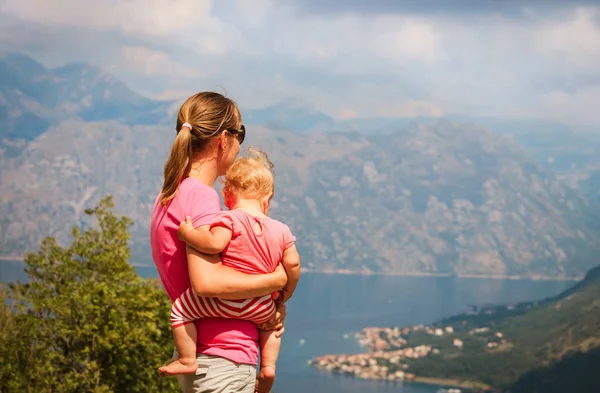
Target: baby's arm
(291,263)
(207,241)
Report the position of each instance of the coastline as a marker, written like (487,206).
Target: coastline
(450,382)
(392,361)
(13,258)
(425,274)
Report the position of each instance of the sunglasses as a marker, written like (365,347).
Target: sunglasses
(240,134)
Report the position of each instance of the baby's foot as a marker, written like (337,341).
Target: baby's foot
(265,379)
(179,366)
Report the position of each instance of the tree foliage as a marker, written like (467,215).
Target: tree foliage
(85,321)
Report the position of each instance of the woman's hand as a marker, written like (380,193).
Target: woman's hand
(276,322)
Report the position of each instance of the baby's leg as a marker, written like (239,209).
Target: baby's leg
(187,308)
(185,343)
(269,352)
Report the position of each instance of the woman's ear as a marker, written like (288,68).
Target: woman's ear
(223,140)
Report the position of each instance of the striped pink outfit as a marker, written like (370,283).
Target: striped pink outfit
(248,252)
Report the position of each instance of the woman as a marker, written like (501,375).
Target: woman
(202,151)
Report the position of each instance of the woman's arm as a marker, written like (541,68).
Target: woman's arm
(209,278)
(204,239)
(291,263)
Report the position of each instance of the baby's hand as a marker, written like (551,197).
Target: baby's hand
(185,228)
(285,296)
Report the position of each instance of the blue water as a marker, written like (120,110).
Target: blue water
(326,307)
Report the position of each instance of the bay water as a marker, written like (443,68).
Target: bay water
(328,309)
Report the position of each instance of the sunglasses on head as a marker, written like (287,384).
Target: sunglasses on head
(240,134)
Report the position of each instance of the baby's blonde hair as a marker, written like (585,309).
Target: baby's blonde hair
(250,177)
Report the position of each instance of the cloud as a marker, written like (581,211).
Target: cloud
(149,17)
(580,107)
(409,39)
(153,62)
(346,113)
(574,42)
(453,9)
(411,108)
(352,58)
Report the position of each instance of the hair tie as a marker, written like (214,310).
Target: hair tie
(188,125)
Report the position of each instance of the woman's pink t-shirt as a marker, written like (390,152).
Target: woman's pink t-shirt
(232,339)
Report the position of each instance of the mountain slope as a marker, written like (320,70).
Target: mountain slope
(432,197)
(32,98)
(556,331)
(290,115)
(547,346)
(443,198)
(573,373)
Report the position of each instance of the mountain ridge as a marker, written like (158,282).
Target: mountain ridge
(452,208)
(33,98)
(432,197)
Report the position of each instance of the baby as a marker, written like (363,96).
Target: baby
(249,241)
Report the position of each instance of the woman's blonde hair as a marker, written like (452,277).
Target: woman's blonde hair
(250,177)
(209,114)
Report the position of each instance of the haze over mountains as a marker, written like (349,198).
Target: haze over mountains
(363,195)
(33,98)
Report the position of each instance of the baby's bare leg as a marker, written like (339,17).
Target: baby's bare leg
(185,343)
(269,352)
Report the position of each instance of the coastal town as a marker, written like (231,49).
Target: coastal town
(390,354)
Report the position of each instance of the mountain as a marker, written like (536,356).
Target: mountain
(576,372)
(33,98)
(571,152)
(291,115)
(428,197)
(573,155)
(443,198)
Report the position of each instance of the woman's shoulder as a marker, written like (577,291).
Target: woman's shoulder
(192,187)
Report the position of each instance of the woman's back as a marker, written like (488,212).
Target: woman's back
(193,199)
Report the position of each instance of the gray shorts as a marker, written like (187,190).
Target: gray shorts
(218,375)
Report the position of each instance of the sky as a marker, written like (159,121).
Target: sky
(510,59)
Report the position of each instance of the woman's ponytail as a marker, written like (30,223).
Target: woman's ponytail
(178,165)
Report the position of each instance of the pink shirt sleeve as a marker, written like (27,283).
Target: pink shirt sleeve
(288,238)
(224,219)
(203,205)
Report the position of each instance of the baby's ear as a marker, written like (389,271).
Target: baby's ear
(266,201)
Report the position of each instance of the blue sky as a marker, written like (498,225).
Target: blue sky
(532,59)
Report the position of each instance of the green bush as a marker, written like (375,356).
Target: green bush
(85,321)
